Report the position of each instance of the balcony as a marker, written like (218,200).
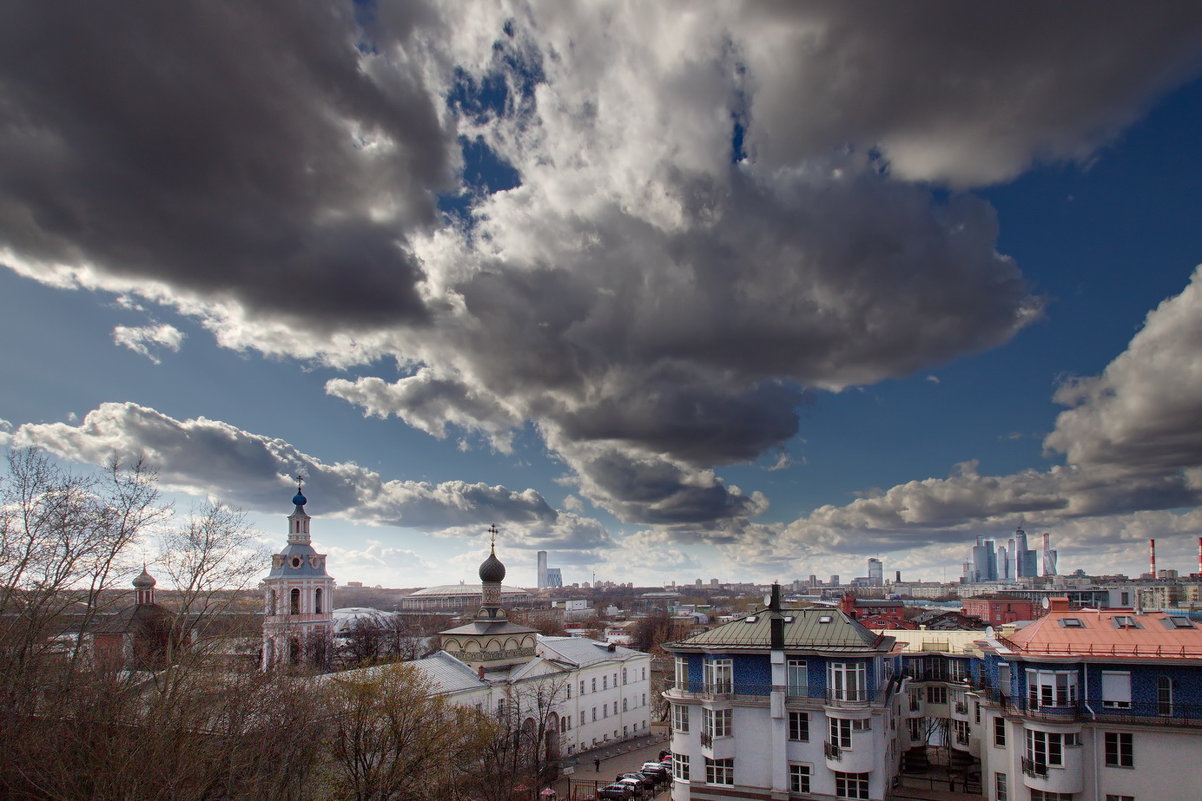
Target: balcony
(794,694)
(961,708)
(1146,713)
(832,751)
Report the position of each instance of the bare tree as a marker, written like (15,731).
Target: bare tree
(394,739)
(525,751)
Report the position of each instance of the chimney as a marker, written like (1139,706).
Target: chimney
(1200,556)
(1152,555)
(480,672)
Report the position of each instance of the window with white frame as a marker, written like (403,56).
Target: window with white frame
(999,731)
(1047,748)
(799,727)
(680,718)
(1113,797)
(720,771)
(1120,751)
(1043,795)
(841,729)
(680,767)
(1003,679)
(1164,696)
(1116,689)
(1051,688)
(936,694)
(851,785)
(798,677)
(682,672)
(719,675)
(847,681)
(716,722)
(1001,786)
(799,778)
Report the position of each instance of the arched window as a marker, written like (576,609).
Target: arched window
(317,601)
(1164,696)
(272,609)
(294,603)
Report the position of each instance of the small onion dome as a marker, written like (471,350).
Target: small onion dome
(300,499)
(491,570)
(144,581)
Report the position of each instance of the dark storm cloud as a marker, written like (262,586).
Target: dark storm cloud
(244,151)
(969,93)
(210,457)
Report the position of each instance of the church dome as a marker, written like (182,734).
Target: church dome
(491,570)
(144,581)
(300,500)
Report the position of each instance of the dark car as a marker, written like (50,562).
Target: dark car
(647,782)
(658,771)
(616,792)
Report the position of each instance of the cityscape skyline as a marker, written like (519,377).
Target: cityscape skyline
(741,289)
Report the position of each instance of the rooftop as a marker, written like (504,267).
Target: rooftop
(814,628)
(1119,633)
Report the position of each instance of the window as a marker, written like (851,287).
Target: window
(1001,786)
(915,700)
(317,601)
(1126,622)
(799,727)
(623,676)
(840,730)
(594,684)
(623,705)
(847,681)
(1071,623)
(1113,797)
(582,686)
(680,718)
(851,785)
(715,723)
(1116,689)
(976,712)
(680,767)
(594,714)
(936,694)
(798,677)
(294,602)
(720,771)
(719,676)
(605,682)
(568,687)
(1041,795)
(1175,622)
(1051,688)
(799,778)
(682,672)
(1003,678)
(1164,696)
(1119,752)
(1046,748)
(960,731)
(915,727)
(999,731)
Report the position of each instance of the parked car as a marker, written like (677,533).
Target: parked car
(634,784)
(661,771)
(647,782)
(616,792)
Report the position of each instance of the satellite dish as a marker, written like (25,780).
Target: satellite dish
(1047,604)
(768,599)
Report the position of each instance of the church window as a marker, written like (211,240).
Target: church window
(317,601)
(294,602)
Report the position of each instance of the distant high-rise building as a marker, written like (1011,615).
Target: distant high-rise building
(1025,559)
(876,572)
(984,561)
(698,582)
(554,577)
(713,582)
(1003,564)
(813,580)
(542,569)
(1049,556)
(835,580)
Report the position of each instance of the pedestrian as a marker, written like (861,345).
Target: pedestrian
(597,764)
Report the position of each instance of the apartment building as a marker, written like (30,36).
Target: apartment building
(785,703)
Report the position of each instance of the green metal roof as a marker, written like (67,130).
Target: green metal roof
(803,631)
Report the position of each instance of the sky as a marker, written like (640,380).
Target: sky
(737,290)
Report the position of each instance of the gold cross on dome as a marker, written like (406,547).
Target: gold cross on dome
(492,531)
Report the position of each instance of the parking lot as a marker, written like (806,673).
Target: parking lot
(582,783)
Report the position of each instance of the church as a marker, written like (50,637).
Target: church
(586,693)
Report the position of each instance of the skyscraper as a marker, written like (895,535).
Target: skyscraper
(542,569)
(875,572)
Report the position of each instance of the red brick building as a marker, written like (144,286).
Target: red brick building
(998,609)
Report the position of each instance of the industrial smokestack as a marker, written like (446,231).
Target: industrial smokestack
(1200,556)
(1152,556)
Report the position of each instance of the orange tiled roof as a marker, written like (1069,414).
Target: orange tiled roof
(1153,634)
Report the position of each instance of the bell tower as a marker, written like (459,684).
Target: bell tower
(298,621)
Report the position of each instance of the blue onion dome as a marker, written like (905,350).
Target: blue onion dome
(491,570)
(300,500)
